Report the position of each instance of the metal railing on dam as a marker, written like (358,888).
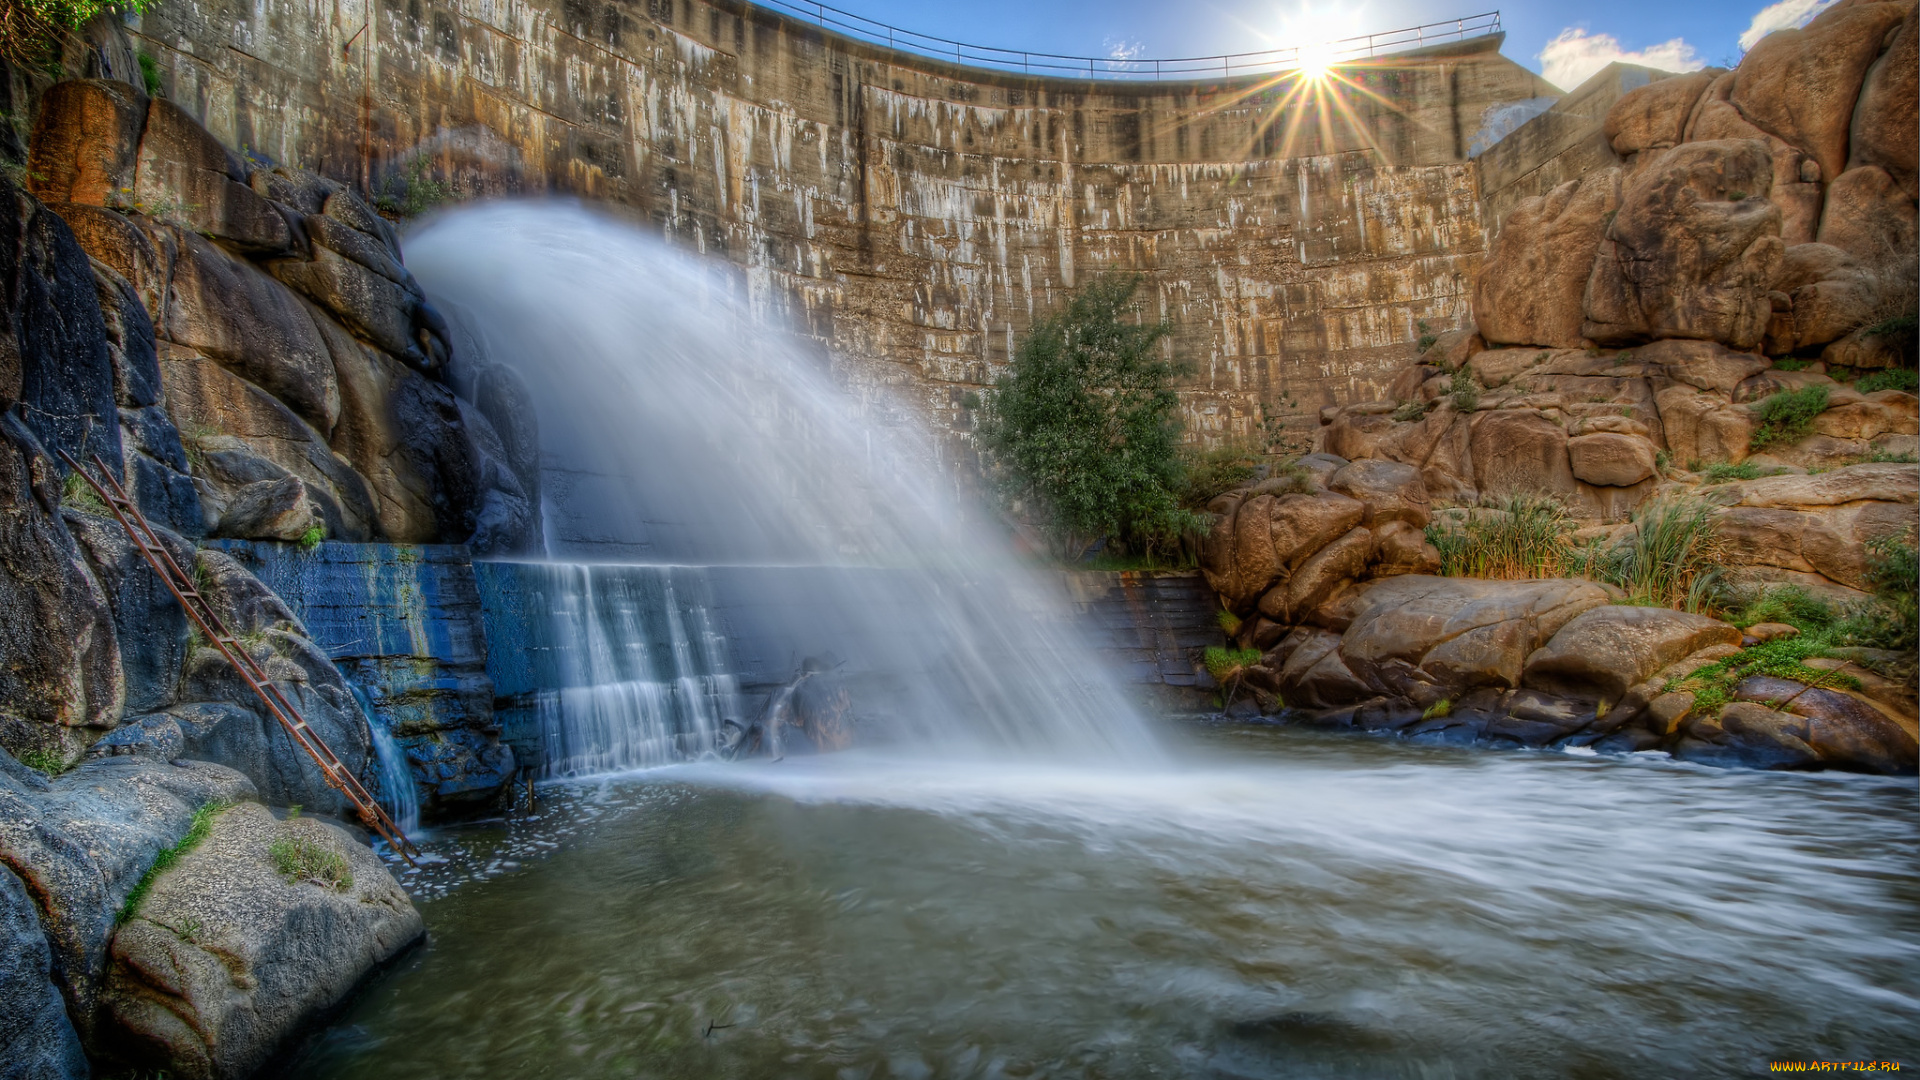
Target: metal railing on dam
(1063,65)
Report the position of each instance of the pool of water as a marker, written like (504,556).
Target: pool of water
(1277,903)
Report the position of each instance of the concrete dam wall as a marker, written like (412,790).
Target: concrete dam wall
(910,216)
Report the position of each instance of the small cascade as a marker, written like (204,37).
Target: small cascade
(643,677)
(399,793)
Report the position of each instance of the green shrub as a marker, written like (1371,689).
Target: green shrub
(1411,410)
(150,74)
(30,29)
(1523,536)
(1889,379)
(1671,559)
(312,538)
(1428,339)
(302,857)
(1789,604)
(1787,417)
(1227,665)
(1721,473)
(1213,472)
(1890,620)
(1464,390)
(1084,428)
(1443,707)
(1229,622)
(1788,363)
(197,831)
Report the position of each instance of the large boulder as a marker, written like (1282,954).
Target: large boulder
(1692,252)
(1529,290)
(37,1041)
(1386,490)
(1801,85)
(1817,524)
(1611,459)
(85,142)
(1703,365)
(1703,426)
(1521,451)
(1885,116)
(242,435)
(226,309)
(80,842)
(1602,652)
(1423,638)
(1871,217)
(1654,116)
(230,953)
(185,175)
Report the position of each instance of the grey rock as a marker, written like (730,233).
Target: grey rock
(370,305)
(37,1041)
(149,625)
(80,841)
(227,957)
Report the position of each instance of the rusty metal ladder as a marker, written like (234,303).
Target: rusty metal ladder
(332,769)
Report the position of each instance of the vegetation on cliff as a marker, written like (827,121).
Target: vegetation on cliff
(1082,431)
(28,28)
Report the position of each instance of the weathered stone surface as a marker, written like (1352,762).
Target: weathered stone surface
(1703,427)
(227,309)
(185,175)
(62,663)
(1704,365)
(84,142)
(1529,290)
(1452,634)
(1388,491)
(1749,735)
(505,401)
(1801,85)
(1886,116)
(1884,412)
(143,258)
(37,1041)
(1401,548)
(369,252)
(1871,481)
(1693,250)
(227,958)
(244,435)
(1498,367)
(1871,217)
(81,840)
(1609,459)
(1602,652)
(1518,451)
(1831,293)
(224,722)
(1320,575)
(1843,731)
(365,302)
(1654,116)
(150,629)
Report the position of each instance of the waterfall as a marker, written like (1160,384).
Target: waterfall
(693,447)
(398,792)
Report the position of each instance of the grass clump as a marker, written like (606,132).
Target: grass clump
(1411,410)
(312,537)
(312,858)
(1521,536)
(1463,390)
(1443,707)
(1229,667)
(1722,473)
(1889,379)
(1672,558)
(197,831)
(46,761)
(1229,622)
(1713,686)
(1214,471)
(1428,339)
(1787,417)
(1792,605)
(77,493)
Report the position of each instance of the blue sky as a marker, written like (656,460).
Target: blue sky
(1555,37)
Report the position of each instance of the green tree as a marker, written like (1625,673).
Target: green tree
(1083,427)
(28,28)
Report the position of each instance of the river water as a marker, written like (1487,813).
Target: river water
(1271,903)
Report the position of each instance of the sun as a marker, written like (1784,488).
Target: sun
(1313,34)
(1316,61)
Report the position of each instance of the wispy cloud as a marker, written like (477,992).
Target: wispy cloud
(1122,49)
(1781,16)
(1574,55)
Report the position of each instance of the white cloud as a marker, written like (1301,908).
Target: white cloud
(1574,55)
(1122,49)
(1780,16)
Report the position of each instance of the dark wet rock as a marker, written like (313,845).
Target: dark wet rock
(1844,731)
(150,627)
(37,1041)
(81,840)
(1748,735)
(369,304)
(227,957)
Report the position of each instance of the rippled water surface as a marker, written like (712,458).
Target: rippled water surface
(1278,904)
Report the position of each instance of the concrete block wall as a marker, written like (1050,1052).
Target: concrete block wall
(909,215)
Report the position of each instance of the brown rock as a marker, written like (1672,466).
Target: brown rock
(1602,652)
(1703,426)
(1389,490)
(1871,217)
(370,305)
(1321,574)
(226,309)
(1844,731)
(1890,482)
(1452,348)
(245,435)
(1885,412)
(1796,189)
(1498,367)
(1864,348)
(1830,292)
(1528,291)
(1401,548)
(1801,85)
(1654,116)
(1609,459)
(1705,365)
(1772,631)
(125,248)
(184,174)
(1520,450)
(1354,435)
(85,142)
(1298,526)
(1453,634)
(1884,118)
(1684,257)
